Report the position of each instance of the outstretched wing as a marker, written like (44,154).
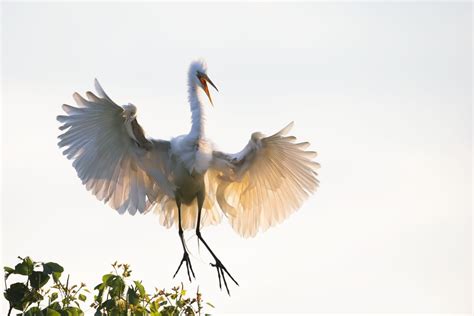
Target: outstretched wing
(111,154)
(265,182)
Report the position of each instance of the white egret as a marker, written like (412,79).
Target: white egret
(186,180)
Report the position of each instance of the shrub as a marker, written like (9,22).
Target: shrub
(115,295)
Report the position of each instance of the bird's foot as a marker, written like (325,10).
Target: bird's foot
(189,267)
(221,271)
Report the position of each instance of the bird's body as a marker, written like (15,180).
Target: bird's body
(189,173)
(185,179)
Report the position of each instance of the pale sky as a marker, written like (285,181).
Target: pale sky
(381,90)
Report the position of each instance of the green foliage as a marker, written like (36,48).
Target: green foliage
(28,296)
(116,295)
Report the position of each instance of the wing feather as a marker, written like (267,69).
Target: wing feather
(108,161)
(264,183)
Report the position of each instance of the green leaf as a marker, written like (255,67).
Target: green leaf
(51,267)
(38,279)
(111,280)
(140,287)
(15,293)
(117,286)
(56,306)
(82,297)
(108,304)
(34,311)
(106,277)
(54,296)
(35,296)
(29,262)
(52,312)
(100,286)
(210,305)
(24,268)
(74,311)
(154,306)
(65,301)
(56,276)
(133,298)
(8,271)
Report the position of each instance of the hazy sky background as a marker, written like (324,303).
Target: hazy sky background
(382,91)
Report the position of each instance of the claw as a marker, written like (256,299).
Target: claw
(220,272)
(188,266)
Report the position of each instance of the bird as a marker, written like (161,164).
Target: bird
(186,180)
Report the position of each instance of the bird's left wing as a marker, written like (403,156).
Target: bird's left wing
(111,155)
(265,182)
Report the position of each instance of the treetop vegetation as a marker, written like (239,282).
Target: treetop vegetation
(44,292)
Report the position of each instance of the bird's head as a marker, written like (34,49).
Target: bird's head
(198,77)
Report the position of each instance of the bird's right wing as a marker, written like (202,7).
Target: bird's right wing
(111,155)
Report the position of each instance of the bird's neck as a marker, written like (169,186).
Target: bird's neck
(197,112)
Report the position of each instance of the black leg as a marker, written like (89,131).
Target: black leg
(218,265)
(185,255)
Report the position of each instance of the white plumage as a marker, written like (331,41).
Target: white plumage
(256,188)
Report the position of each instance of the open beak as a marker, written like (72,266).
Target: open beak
(204,80)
